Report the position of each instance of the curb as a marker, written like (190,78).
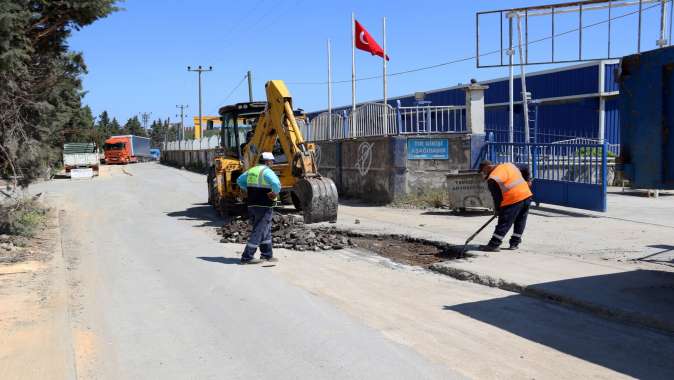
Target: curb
(638,319)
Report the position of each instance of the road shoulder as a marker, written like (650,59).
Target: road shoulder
(35,337)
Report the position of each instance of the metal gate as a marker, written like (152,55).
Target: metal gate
(571,175)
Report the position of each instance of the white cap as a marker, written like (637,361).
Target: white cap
(267,156)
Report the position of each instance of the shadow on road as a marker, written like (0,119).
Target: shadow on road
(639,194)
(202,212)
(666,259)
(220,259)
(463,213)
(547,211)
(641,296)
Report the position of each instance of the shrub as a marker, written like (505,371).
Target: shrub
(21,217)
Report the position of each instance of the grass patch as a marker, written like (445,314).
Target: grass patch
(21,217)
(432,198)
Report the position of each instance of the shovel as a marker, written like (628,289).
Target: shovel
(463,250)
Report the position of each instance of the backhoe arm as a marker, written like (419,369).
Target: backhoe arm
(278,120)
(317,195)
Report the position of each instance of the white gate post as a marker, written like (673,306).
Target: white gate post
(475,107)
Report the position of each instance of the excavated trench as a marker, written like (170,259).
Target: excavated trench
(288,231)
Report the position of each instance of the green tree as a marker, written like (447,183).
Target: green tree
(80,127)
(40,87)
(115,128)
(133,127)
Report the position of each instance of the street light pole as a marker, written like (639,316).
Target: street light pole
(199,70)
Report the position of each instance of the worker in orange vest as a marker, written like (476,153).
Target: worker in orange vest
(510,187)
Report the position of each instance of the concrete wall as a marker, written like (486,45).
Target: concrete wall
(378,169)
(194,159)
(375,169)
(428,175)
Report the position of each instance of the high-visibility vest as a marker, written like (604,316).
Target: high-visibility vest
(256,178)
(258,188)
(513,186)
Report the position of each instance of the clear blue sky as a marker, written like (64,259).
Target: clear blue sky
(137,57)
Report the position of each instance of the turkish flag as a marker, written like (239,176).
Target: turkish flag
(364,41)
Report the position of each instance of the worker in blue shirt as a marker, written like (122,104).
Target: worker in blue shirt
(263,187)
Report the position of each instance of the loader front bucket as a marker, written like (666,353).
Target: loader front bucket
(318,198)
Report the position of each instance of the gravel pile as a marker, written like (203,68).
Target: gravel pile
(289,231)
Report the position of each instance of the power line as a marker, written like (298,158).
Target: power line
(423,68)
(235,88)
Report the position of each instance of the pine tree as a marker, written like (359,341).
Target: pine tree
(40,86)
(133,127)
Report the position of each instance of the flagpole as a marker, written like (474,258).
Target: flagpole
(353,71)
(385,95)
(329,87)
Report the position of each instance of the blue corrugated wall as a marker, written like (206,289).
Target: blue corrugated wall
(612,120)
(556,121)
(566,119)
(610,72)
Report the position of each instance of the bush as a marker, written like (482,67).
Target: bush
(21,217)
(429,198)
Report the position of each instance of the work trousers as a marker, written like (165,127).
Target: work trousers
(516,214)
(260,219)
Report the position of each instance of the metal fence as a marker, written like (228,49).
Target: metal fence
(377,119)
(432,119)
(572,175)
(325,126)
(614,149)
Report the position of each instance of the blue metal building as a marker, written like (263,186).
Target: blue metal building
(579,101)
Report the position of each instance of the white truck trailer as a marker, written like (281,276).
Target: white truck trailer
(81,160)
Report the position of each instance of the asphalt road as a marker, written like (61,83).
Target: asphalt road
(154,298)
(155,295)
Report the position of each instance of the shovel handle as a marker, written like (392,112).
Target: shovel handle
(480,230)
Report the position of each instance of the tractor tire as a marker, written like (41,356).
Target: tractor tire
(212,187)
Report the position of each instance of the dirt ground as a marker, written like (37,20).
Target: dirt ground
(34,321)
(402,251)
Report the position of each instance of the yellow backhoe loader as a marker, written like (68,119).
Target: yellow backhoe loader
(248,129)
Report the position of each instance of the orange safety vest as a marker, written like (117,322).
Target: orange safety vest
(513,186)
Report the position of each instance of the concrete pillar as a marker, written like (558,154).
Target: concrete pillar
(475,107)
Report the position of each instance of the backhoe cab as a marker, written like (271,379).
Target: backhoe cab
(250,128)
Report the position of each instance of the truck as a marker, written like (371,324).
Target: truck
(126,149)
(80,159)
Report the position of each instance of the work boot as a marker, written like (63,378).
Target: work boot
(251,261)
(269,259)
(489,248)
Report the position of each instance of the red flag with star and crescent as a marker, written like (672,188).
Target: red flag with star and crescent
(364,41)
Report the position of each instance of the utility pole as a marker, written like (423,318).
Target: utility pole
(145,117)
(199,70)
(182,120)
(166,131)
(250,86)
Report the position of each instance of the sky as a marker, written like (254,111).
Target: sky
(137,58)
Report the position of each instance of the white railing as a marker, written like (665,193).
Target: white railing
(373,119)
(325,127)
(432,119)
(368,120)
(200,144)
(613,148)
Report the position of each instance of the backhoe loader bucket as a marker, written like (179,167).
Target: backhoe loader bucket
(318,198)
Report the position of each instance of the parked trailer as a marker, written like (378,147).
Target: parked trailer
(80,159)
(127,149)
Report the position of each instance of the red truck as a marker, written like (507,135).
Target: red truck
(126,149)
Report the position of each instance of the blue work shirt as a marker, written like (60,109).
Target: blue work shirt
(270,177)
